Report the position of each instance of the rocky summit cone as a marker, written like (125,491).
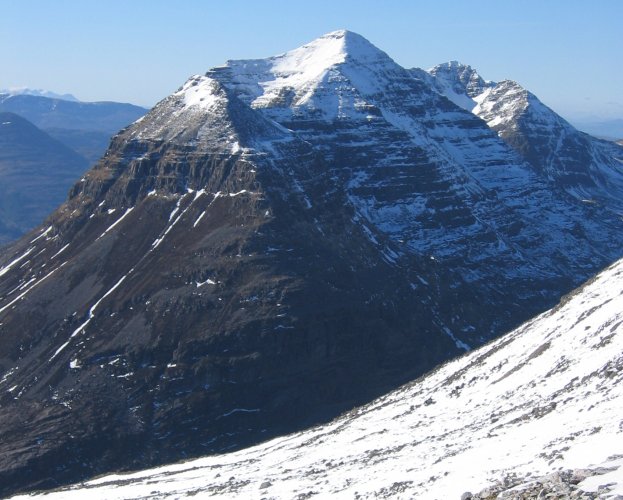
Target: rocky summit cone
(274,243)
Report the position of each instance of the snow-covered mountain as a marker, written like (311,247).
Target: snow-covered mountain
(589,169)
(535,412)
(38,92)
(274,243)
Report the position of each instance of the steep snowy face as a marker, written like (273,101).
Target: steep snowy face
(459,82)
(422,174)
(546,398)
(504,104)
(319,79)
(461,77)
(587,168)
(203,115)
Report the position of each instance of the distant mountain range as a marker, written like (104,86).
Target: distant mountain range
(41,162)
(46,113)
(38,93)
(283,239)
(35,174)
(86,127)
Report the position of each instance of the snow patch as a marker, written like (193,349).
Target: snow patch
(116,222)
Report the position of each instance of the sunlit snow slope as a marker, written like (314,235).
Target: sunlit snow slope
(546,397)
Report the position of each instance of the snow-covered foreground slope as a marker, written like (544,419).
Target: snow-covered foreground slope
(546,397)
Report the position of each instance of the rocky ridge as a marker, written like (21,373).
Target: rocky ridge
(589,169)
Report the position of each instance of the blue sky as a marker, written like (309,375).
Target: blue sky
(568,52)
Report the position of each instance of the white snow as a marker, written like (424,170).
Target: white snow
(44,233)
(199,218)
(60,251)
(202,92)
(91,315)
(171,225)
(206,282)
(243,191)
(546,397)
(303,77)
(613,478)
(460,344)
(37,283)
(8,267)
(116,222)
(115,286)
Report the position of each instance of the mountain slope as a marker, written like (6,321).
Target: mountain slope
(428,177)
(274,243)
(543,398)
(589,169)
(36,172)
(185,278)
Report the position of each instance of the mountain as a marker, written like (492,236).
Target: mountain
(458,82)
(36,172)
(274,243)
(532,414)
(39,93)
(85,127)
(587,168)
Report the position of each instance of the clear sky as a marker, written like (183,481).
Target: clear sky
(567,52)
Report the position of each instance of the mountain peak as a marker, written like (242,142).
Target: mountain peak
(348,44)
(301,78)
(461,78)
(451,65)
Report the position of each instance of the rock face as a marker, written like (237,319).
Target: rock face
(275,242)
(561,485)
(36,172)
(534,414)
